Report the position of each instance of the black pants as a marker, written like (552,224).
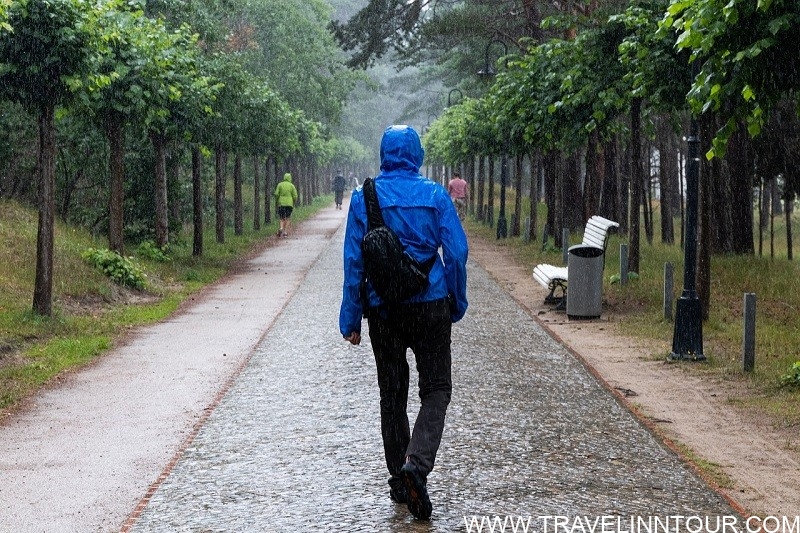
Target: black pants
(425,328)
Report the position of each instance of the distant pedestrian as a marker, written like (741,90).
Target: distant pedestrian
(338,189)
(457,188)
(422,215)
(285,197)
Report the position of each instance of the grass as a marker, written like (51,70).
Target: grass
(90,312)
(714,472)
(638,309)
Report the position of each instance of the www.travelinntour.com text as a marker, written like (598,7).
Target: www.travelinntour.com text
(631,524)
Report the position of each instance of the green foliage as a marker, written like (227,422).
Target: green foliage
(747,57)
(46,53)
(290,47)
(792,377)
(148,250)
(122,270)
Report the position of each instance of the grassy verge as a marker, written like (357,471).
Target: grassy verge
(90,312)
(638,310)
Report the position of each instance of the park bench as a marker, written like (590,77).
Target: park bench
(554,278)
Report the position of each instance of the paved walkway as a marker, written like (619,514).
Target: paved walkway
(294,443)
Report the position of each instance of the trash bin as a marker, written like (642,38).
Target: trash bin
(584,281)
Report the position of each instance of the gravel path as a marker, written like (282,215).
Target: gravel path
(248,412)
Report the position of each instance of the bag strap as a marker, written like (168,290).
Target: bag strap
(374,215)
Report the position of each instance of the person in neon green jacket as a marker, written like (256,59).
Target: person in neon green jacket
(285,197)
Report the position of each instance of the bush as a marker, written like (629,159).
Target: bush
(121,270)
(149,250)
(793,376)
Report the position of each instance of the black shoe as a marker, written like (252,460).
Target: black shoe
(398,495)
(418,501)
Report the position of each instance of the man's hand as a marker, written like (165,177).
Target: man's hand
(354,338)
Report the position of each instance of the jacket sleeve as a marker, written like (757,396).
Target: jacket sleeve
(455,251)
(351,310)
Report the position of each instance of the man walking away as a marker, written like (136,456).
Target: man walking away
(457,188)
(338,189)
(422,215)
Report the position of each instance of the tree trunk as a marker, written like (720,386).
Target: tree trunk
(162,215)
(115,132)
(761,212)
(636,185)
(481,217)
(533,19)
(197,201)
(43,286)
(269,186)
(559,215)
(704,235)
(308,180)
(174,171)
(70,185)
(609,199)
(490,194)
(256,194)
(238,215)
(517,195)
(298,183)
(773,187)
(667,178)
(647,195)
(471,177)
(533,194)
(740,185)
(594,177)
(788,208)
(220,162)
(572,201)
(315,185)
(551,196)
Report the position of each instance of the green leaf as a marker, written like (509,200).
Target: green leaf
(763,5)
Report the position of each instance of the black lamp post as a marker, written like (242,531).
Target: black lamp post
(427,162)
(449,103)
(450,94)
(488,71)
(687,339)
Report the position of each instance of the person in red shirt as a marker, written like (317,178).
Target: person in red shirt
(457,188)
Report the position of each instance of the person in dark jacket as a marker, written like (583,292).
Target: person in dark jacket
(421,213)
(338,189)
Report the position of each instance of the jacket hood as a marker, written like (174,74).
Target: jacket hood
(287,177)
(401,149)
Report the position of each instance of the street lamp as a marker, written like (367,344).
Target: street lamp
(450,94)
(687,339)
(449,170)
(487,71)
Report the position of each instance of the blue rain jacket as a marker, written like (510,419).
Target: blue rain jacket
(423,216)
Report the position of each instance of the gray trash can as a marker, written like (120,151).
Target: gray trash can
(584,281)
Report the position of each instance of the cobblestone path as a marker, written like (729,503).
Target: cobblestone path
(295,443)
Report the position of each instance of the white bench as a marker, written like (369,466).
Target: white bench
(554,278)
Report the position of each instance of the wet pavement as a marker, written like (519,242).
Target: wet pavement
(294,444)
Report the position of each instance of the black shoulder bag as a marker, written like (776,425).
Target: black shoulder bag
(392,272)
